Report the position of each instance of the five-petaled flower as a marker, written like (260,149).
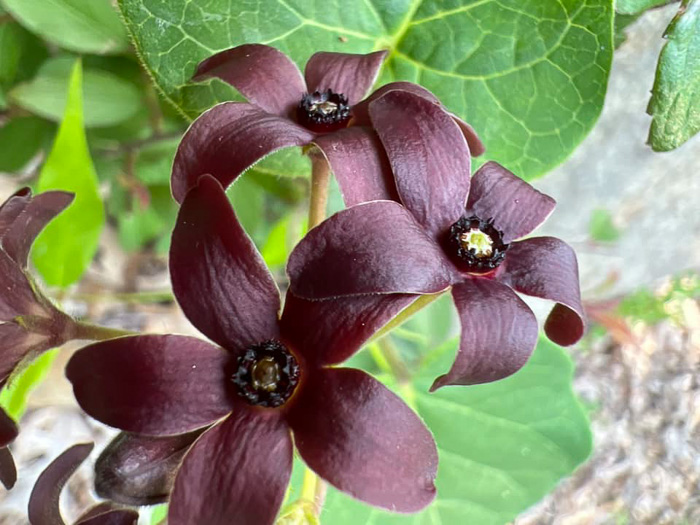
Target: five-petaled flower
(43,502)
(446,233)
(274,377)
(287,109)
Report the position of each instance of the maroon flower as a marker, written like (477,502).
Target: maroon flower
(433,242)
(288,109)
(273,376)
(43,502)
(8,433)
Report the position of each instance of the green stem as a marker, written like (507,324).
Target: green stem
(93,332)
(320,178)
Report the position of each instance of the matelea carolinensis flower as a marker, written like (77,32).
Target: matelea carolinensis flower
(286,108)
(449,230)
(265,378)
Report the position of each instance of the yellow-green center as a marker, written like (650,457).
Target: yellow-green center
(265,374)
(478,241)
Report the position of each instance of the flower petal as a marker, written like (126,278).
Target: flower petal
(140,470)
(499,333)
(360,165)
(12,207)
(240,468)
(428,155)
(8,471)
(546,267)
(43,502)
(265,76)
(329,332)
(151,384)
(8,429)
(38,212)
(516,207)
(360,112)
(17,344)
(218,276)
(220,143)
(108,514)
(376,247)
(364,440)
(349,74)
(17,296)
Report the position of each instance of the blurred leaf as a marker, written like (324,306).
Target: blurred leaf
(652,308)
(502,445)
(529,76)
(287,162)
(66,247)
(139,227)
(601,227)
(13,398)
(86,26)
(675,99)
(276,249)
(21,139)
(631,7)
(158,514)
(20,53)
(154,162)
(108,100)
(249,203)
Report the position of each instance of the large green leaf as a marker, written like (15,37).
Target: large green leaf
(675,100)
(65,248)
(502,446)
(530,75)
(86,26)
(108,100)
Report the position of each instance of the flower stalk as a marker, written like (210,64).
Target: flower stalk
(318,200)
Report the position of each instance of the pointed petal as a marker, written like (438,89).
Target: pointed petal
(360,165)
(360,112)
(38,212)
(140,470)
(428,155)
(349,74)
(546,267)
(8,429)
(12,207)
(499,333)
(108,514)
(16,344)
(43,502)
(516,207)
(17,297)
(376,247)
(364,440)
(245,461)
(8,471)
(228,139)
(265,76)
(329,332)
(218,276)
(151,384)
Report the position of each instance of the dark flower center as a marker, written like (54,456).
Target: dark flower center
(477,244)
(267,374)
(323,111)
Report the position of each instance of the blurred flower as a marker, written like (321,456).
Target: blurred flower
(43,502)
(274,375)
(432,243)
(286,108)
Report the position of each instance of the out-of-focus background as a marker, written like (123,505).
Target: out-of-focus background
(632,215)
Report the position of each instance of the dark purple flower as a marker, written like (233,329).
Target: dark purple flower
(274,376)
(8,433)
(43,502)
(448,235)
(286,108)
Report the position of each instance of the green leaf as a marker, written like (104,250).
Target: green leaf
(13,398)
(502,445)
(20,53)
(632,7)
(108,99)
(602,228)
(66,247)
(249,203)
(675,99)
(85,26)
(21,139)
(529,75)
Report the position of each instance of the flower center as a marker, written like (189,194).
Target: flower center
(323,111)
(267,374)
(477,244)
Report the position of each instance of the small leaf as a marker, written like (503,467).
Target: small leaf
(108,99)
(602,227)
(675,99)
(86,26)
(632,7)
(66,247)
(21,139)
(13,398)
